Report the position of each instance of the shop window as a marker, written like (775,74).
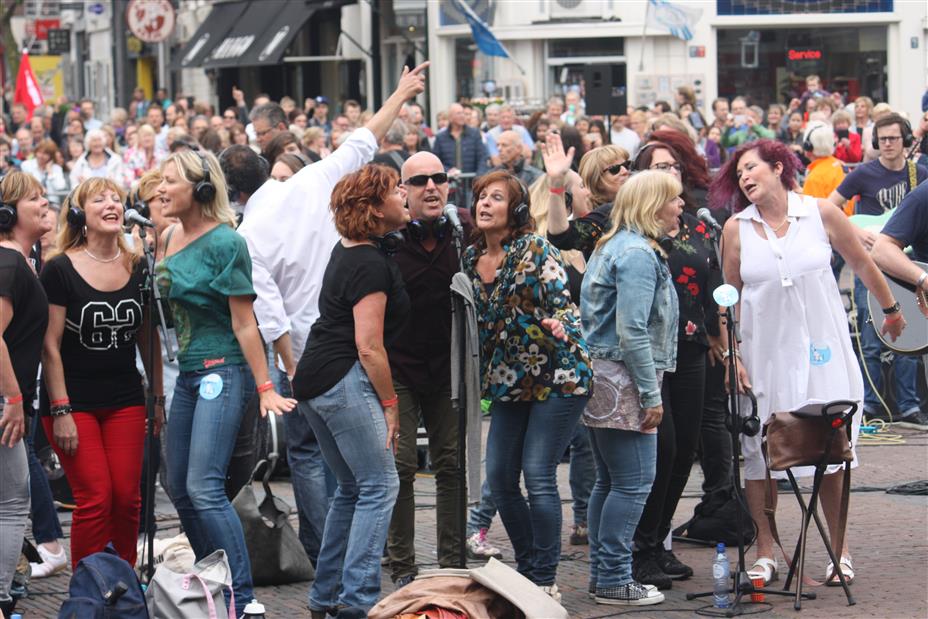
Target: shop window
(788,7)
(849,60)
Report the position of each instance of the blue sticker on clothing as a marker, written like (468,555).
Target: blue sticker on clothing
(211,386)
(819,355)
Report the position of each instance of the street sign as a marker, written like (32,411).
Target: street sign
(59,41)
(42,26)
(151,21)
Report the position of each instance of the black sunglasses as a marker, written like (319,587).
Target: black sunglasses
(615,169)
(421,180)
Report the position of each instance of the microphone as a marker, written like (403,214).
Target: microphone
(451,213)
(705,216)
(132,216)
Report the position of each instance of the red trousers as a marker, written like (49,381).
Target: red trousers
(104,476)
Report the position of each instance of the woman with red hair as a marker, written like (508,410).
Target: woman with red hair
(795,339)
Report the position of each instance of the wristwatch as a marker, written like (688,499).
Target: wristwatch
(892,309)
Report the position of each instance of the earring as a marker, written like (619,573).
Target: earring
(84,231)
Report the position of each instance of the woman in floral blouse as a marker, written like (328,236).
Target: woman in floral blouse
(535,368)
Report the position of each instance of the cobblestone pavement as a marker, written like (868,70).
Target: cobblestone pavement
(888,536)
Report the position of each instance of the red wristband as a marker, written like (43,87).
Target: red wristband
(60,402)
(390,401)
(894,317)
(558,191)
(265,387)
(15,399)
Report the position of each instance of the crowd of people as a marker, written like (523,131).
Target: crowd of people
(305,255)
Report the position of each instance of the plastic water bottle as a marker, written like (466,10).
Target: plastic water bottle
(254,610)
(720,576)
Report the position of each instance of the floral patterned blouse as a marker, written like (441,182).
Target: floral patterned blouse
(519,359)
(696,273)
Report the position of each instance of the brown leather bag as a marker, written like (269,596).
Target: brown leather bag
(794,440)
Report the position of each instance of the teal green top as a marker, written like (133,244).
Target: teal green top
(197,282)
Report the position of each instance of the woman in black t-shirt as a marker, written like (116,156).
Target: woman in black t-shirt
(23,318)
(343,383)
(97,420)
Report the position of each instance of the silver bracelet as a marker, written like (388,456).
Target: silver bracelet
(921,279)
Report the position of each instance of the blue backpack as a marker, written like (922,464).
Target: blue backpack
(104,586)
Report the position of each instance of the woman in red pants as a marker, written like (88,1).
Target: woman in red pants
(97,413)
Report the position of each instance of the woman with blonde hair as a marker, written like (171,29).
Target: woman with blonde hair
(206,278)
(96,421)
(629,314)
(145,156)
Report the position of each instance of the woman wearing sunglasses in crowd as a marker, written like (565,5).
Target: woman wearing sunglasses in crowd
(603,171)
(695,273)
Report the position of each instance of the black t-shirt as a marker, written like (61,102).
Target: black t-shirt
(909,224)
(24,334)
(352,274)
(99,340)
(879,189)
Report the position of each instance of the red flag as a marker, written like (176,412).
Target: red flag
(27,86)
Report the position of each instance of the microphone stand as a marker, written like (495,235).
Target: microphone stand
(151,292)
(460,405)
(741,584)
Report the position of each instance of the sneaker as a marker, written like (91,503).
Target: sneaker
(578,536)
(916,421)
(630,594)
(479,549)
(672,566)
(552,591)
(646,571)
(51,563)
(592,589)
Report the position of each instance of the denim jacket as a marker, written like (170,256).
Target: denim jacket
(629,310)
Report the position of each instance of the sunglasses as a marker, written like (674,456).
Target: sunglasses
(615,169)
(421,180)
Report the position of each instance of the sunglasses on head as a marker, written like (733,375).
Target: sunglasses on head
(421,180)
(615,169)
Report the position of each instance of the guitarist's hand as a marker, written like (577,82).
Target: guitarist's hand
(893,325)
(866,237)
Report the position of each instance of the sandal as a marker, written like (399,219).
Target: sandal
(847,568)
(765,568)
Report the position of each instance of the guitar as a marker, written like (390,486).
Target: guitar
(914,338)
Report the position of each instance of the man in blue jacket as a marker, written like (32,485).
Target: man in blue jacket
(460,147)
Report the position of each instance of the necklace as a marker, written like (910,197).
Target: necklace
(104,260)
(777,229)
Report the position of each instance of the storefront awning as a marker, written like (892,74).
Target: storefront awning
(210,34)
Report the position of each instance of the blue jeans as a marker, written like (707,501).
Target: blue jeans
(529,438)
(312,479)
(582,473)
(45,524)
(905,368)
(625,466)
(349,424)
(200,440)
(481,514)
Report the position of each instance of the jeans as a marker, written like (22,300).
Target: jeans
(714,437)
(481,514)
(201,436)
(348,422)
(14,511)
(529,438)
(582,473)
(45,524)
(905,367)
(677,437)
(625,463)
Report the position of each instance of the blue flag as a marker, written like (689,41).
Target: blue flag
(484,38)
(676,18)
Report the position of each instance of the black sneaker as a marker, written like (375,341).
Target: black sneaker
(916,421)
(631,594)
(672,566)
(646,571)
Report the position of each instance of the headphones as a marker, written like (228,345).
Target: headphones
(636,164)
(389,243)
(908,138)
(807,143)
(7,214)
(421,230)
(204,191)
(135,202)
(750,426)
(75,216)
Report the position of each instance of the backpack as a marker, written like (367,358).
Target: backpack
(715,520)
(104,586)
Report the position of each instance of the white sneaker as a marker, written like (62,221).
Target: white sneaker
(553,592)
(51,563)
(479,549)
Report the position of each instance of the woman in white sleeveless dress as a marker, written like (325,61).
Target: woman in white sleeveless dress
(795,345)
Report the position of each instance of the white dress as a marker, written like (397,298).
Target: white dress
(796,344)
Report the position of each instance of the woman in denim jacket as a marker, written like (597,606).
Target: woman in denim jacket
(629,313)
(535,368)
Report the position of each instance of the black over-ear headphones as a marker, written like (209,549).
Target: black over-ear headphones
(388,243)
(421,229)
(7,214)
(204,192)
(75,216)
(636,164)
(907,137)
(807,145)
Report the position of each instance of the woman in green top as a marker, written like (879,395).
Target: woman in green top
(206,277)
